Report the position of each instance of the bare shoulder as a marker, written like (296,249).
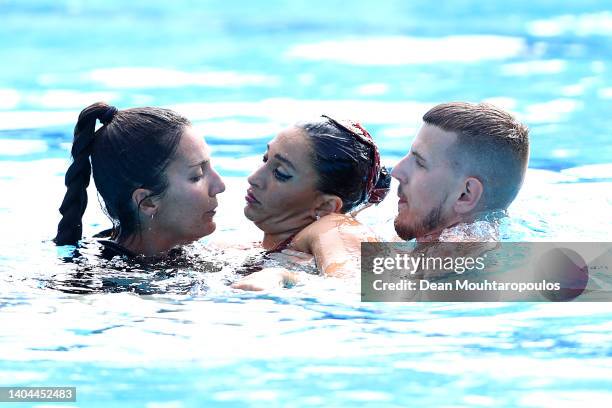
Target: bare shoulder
(332,227)
(335,242)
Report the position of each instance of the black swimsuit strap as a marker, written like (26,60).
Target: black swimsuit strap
(111,249)
(281,246)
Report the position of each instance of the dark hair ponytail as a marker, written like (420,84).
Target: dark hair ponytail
(73,206)
(131,150)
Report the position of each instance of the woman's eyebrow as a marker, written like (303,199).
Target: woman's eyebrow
(281,158)
(284,160)
(199,164)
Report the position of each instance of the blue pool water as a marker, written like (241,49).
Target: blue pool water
(241,71)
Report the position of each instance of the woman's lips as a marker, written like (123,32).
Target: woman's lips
(250,198)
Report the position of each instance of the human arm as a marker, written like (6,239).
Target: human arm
(335,242)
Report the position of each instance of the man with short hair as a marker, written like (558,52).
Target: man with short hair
(466,160)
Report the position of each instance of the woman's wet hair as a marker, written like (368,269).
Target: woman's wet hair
(131,150)
(347,162)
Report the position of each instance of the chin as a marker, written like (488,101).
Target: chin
(402,229)
(248,212)
(210,228)
(207,229)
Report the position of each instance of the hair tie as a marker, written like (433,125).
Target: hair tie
(108,116)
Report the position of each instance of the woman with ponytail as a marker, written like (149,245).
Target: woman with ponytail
(153,173)
(314,176)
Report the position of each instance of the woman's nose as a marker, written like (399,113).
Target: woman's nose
(217,186)
(256,178)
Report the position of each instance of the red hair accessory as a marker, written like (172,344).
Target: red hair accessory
(372,194)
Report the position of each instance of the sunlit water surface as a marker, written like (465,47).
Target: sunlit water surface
(179,336)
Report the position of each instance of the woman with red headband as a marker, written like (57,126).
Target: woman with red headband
(313,175)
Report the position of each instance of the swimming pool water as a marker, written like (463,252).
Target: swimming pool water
(241,71)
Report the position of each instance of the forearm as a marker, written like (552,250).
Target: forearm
(337,252)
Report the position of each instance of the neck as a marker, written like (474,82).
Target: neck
(147,244)
(272,240)
(433,236)
(461,227)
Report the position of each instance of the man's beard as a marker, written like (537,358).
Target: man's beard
(422,227)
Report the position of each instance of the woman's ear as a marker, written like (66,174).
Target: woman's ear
(144,203)
(329,204)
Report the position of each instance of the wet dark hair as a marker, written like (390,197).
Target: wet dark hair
(491,145)
(343,163)
(131,150)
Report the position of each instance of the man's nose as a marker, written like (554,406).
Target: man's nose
(399,171)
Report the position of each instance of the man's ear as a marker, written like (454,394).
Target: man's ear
(144,203)
(470,196)
(328,204)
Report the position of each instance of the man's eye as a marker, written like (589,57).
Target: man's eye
(416,160)
(196,178)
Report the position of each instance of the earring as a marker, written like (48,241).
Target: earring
(152,215)
(317,216)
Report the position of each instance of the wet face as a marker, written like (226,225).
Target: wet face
(187,207)
(282,195)
(429,186)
